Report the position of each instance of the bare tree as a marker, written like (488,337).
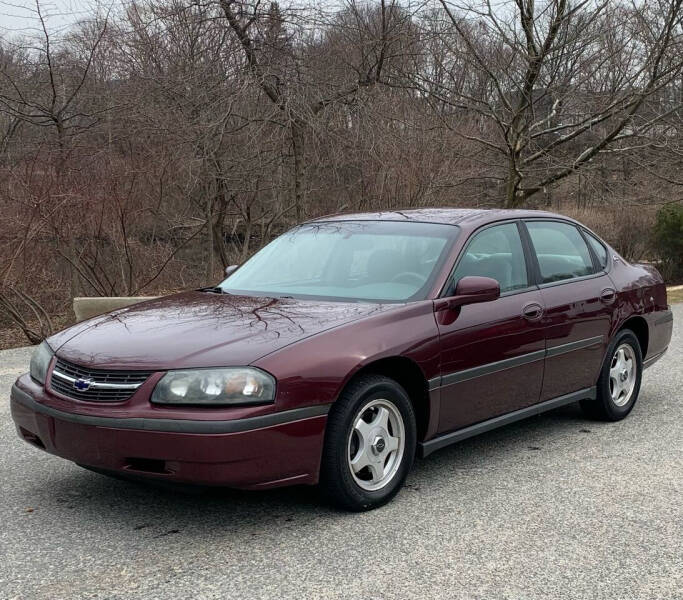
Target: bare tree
(278,65)
(556,83)
(64,68)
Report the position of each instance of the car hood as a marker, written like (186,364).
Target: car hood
(201,329)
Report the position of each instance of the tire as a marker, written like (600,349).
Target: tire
(384,442)
(615,402)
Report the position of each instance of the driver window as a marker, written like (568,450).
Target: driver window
(495,252)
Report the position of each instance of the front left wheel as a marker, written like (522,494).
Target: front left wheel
(369,444)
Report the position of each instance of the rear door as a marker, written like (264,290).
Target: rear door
(578,297)
(492,353)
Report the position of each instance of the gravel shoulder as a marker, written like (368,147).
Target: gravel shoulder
(552,507)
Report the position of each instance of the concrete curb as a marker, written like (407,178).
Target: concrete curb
(86,307)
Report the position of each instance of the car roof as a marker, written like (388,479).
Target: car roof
(464,217)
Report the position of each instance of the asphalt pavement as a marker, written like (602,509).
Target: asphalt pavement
(554,507)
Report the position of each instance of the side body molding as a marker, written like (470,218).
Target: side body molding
(501,365)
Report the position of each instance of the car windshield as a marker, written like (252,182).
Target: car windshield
(377,261)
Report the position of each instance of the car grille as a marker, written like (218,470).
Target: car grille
(105,385)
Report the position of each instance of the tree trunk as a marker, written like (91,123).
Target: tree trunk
(209,241)
(247,235)
(512,200)
(298,146)
(75,284)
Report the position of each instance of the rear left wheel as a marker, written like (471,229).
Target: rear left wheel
(619,382)
(369,444)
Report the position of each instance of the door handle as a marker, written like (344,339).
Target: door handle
(532,311)
(608,295)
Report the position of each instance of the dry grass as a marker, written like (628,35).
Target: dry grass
(675,294)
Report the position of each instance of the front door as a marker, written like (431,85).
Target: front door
(492,353)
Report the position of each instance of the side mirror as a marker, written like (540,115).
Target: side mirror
(470,290)
(231,269)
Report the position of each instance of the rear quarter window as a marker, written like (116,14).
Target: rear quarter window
(598,248)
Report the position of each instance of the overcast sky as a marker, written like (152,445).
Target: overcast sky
(19,16)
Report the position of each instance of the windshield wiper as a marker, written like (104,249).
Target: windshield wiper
(214,290)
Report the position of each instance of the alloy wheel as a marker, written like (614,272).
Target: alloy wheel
(376,444)
(622,375)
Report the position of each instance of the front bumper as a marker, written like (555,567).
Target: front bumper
(257,452)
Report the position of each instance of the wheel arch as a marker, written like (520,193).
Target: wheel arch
(638,325)
(408,374)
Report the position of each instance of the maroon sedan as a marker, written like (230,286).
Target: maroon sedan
(348,345)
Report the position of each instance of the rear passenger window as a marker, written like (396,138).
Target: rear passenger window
(561,251)
(598,248)
(495,252)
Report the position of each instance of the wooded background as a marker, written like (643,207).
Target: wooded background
(148,146)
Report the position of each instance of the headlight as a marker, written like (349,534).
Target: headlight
(214,387)
(40,361)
